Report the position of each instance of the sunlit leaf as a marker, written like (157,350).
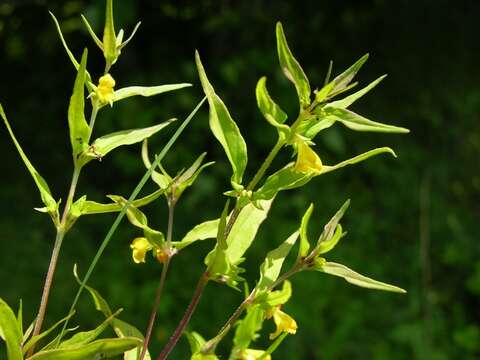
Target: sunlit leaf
(357,279)
(304,243)
(146,91)
(358,158)
(224,128)
(359,123)
(292,69)
(247,329)
(99,349)
(205,230)
(349,100)
(92,33)
(344,79)
(272,265)
(9,332)
(42,186)
(270,110)
(109,36)
(327,239)
(79,129)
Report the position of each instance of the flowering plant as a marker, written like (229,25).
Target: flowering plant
(246,207)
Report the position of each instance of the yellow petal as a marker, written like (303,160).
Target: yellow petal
(161,256)
(139,247)
(253,354)
(105,89)
(307,159)
(284,323)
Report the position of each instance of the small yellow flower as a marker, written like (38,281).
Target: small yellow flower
(139,247)
(253,354)
(105,90)
(161,256)
(283,321)
(307,159)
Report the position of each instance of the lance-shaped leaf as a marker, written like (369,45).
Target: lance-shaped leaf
(349,100)
(344,79)
(109,36)
(162,180)
(79,129)
(103,145)
(70,54)
(94,36)
(359,123)
(292,69)
(327,239)
(87,207)
(304,243)
(313,125)
(121,328)
(42,186)
(272,265)
(146,91)
(358,158)
(85,337)
(356,278)
(9,332)
(188,177)
(42,335)
(99,349)
(245,229)
(327,245)
(270,110)
(279,297)
(205,230)
(284,179)
(224,128)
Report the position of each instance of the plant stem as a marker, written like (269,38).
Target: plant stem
(266,164)
(161,284)
(186,317)
(61,231)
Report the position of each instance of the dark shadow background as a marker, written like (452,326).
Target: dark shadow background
(412,221)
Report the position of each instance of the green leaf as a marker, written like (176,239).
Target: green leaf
(9,332)
(188,177)
(120,44)
(135,216)
(247,329)
(79,129)
(99,349)
(109,37)
(70,54)
(20,317)
(103,145)
(162,180)
(304,243)
(42,186)
(292,69)
(279,297)
(344,79)
(195,340)
(357,279)
(224,128)
(312,126)
(358,158)
(145,91)
(91,32)
(205,230)
(284,179)
(327,245)
(325,239)
(245,229)
(40,336)
(272,265)
(270,110)
(359,123)
(85,337)
(349,100)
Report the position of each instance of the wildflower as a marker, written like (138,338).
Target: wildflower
(161,256)
(283,321)
(105,90)
(307,160)
(139,247)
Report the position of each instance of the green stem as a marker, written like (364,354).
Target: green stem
(266,164)
(163,276)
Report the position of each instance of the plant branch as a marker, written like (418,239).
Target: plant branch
(161,284)
(186,317)
(266,164)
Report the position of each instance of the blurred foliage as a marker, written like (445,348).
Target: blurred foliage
(412,220)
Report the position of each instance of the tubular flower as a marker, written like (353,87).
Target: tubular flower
(139,247)
(283,321)
(307,160)
(105,90)
(253,354)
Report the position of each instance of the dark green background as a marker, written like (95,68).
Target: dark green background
(412,221)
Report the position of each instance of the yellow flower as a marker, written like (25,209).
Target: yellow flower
(283,321)
(105,90)
(161,256)
(139,247)
(253,354)
(307,159)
